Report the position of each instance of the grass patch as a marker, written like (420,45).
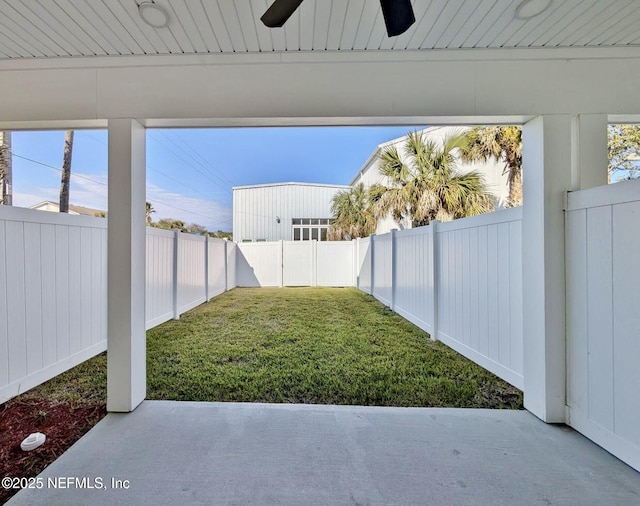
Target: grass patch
(311,345)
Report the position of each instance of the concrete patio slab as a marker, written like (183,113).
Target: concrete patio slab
(232,453)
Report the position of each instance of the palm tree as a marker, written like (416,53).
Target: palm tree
(425,185)
(6,186)
(66,171)
(148,212)
(500,143)
(352,214)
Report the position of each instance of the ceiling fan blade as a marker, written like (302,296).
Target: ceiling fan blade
(398,16)
(279,12)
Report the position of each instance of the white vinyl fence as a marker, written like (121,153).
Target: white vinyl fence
(296,263)
(183,271)
(53,289)
(603,319)
(460,281)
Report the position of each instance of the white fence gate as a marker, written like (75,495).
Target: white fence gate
(296,263)
(603,317)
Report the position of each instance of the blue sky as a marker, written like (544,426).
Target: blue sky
(190,173)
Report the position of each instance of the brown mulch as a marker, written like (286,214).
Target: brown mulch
(62,423)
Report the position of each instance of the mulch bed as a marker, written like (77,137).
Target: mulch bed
(62,423)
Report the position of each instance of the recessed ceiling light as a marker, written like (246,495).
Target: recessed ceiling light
(153,14)
(531,8)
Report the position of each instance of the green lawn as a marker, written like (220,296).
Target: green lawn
(311,345)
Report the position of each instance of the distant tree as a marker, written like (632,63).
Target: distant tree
(427,186)
(148,212)
(170,224)
(6,171)
(624,151)
(219,234)
(66,171)
(500,143)
(194,228)
(352,214)
(100,214)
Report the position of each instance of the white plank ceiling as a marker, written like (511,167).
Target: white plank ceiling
(67,28)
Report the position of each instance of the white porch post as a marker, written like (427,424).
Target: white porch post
(590,159)
(126,348)
(547,175)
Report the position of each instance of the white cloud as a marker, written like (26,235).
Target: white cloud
(209,213)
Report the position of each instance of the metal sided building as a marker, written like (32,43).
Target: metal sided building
(282,211)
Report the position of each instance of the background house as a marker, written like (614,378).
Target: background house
(492,171)
(282,211)
(54,207)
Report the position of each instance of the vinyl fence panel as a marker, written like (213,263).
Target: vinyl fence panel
(603,321)
(335,263)
(52,295)
(479,282)
(160,273)
(259,264)
(414,282)
(232,254)
(191,272)
(364,264)
(217,258)
(382,268)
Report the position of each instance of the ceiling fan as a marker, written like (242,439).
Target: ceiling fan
(398,14)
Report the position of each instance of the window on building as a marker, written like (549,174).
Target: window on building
(306,229)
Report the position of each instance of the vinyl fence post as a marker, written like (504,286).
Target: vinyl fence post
(394,269)
(314,262)
(281,263)
(176,239)
(226,268)
(356,261)
(206,268)
(373,263)
(435,266)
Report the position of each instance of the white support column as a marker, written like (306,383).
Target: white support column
(589,151)
(126,359)
(547,142)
